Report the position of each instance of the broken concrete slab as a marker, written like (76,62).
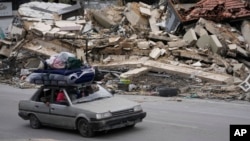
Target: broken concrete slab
(41,27)
(88,27)
(232,47)
(45,48)
(183,71)
(203,42)
(134,73)
(52,32)
(145,11)
(17,32)
(114,40)
(221,31)
(133,15)
(172,69)
(70,11)
(68,25)
(156,38)
(192,55)
(155,53)
(143,45)
(71,28)
(103,20)
(216,45)
(245,30)
(239,70)
(107,60)
(200,31)
(152,21)
(163,51)
(5,50)
(127,44)
(243,51)
(190,37)
(43,10)
(32,63)
(177,44)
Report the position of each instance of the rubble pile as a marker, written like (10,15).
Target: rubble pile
(139,47)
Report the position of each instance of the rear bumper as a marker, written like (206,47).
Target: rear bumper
(117,122)
(23,115)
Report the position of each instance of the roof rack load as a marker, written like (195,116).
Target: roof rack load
(62,77)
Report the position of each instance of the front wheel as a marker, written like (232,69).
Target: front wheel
(84,128)
(131,126)
(34,122)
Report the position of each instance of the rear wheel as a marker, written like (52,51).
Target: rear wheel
(84,128)
(34,122)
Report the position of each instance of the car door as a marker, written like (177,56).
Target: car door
(62,114)
(39,106)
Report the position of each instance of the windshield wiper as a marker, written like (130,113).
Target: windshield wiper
(81,101)
(98,98)
(89,100)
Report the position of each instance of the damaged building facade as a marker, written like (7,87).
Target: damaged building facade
(167,48)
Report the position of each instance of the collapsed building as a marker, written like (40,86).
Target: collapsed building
(196,49)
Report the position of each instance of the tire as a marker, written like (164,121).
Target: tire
(34,122)
(131,126)
(168,92)
(84,128)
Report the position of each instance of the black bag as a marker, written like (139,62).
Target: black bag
(73,63)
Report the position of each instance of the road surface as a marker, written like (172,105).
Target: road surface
(167,120)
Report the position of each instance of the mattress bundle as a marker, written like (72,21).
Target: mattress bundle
(61,70)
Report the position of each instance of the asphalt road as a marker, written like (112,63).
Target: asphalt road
(167,120)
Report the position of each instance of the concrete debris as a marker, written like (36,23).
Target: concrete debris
(204,42)
(103,20)
(177,44)
(216,45)
(245,30)
(155,53)
(134,73)
(143,45)
(166,44)
(134,15)
(190,37)
(200,31)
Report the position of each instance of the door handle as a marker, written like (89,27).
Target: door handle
(36,106)
(52,109)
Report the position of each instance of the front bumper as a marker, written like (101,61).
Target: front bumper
(117,122)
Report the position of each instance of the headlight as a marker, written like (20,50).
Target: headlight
(137,108)
(103,115)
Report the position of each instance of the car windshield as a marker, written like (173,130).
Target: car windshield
(98,93)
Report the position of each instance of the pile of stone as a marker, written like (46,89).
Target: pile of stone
(149,45)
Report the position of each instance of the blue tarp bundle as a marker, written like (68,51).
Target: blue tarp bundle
(62,69)
(62,76)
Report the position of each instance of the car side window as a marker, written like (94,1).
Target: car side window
(44,95)
(73,93)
